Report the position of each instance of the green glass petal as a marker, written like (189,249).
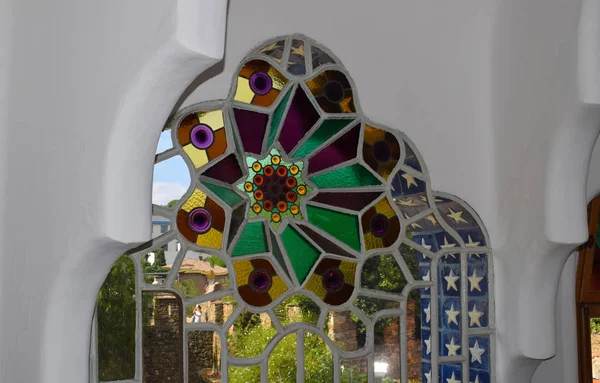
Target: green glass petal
(252,240)
(301,253)
(339,225)
(327,130)
(227,195)
(277,117)
(237,218)
(277,254)
(350,176)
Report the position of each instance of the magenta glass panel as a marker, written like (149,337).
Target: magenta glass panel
(227,170)
(341,150)
(299,119)
(251,127)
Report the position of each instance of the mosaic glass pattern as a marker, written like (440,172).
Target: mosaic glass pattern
(322,217)
(275,187)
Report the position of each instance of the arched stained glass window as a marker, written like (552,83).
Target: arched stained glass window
(309,245)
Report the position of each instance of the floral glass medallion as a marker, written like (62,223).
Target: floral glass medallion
(342,263)
(275,187)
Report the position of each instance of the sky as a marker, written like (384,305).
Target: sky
(171,177)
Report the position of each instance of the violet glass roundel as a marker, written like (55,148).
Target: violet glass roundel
(260,280)
(260,83)
(200,220)
(333,280)
(202,136)
(380,225)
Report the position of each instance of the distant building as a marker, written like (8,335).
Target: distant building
(204,277)
(161,225)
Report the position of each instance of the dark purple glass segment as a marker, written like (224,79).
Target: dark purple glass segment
(333,280)
(352,201)
(260,280)
(200,220)
(260,83)
(380,225)
(382,151)
(327,245)
(202,136)
(300,117)
(334,92)
(227,170)
(341,150)
(251,127)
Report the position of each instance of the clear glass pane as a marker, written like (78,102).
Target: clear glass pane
(387,350)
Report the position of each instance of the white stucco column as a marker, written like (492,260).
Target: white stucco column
(90,85)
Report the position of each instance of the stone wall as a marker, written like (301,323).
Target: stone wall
(162,340)
(342,329)
(161,343)
(413,341)
(204,351)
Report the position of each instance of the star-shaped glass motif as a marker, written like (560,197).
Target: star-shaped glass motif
(275,187)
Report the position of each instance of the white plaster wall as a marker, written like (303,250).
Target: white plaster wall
(90,84)
(563,366)
(422,67)
(485,88)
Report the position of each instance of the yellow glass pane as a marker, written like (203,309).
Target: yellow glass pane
(243,92)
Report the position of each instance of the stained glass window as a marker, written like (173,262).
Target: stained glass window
(312,247)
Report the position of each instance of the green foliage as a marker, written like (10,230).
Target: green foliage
(249,339)
(154,268)
(188,288)
(172,203)
(310,310)
(595,325)
(351,374)
(215,261)
(383,273)
(318,360)
(159,257)
(282,361)
(116,322)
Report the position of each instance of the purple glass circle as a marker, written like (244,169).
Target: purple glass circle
(334,92)
(202,136)
(382,151)
(260,280)
(200,220)
(380,225)
(260,83)
(333,280)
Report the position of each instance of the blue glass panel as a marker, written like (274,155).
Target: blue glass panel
(426,372)
(405,184)
(449,277)
(450,373)
(477,376)
(479,353)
